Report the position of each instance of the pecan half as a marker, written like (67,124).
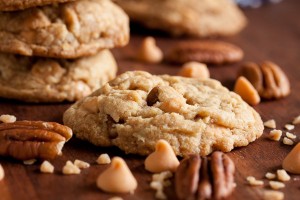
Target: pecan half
(205,51)
(152,97)
(267,78)
(213,177)
(26,140)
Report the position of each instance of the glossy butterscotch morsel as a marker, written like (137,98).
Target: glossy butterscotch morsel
(117,178)
(1,172)
(162,159)
(194,70)
(291,163)
(149,52)
(246,90)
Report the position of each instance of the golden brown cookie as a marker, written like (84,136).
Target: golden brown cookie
(200,18)
(10,5)
(137,109)
(36,79)
(68,30)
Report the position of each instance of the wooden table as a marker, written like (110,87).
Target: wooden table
(273,33)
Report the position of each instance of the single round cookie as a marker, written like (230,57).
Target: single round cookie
(36,79)
(68,30)
(137,109)
(10,5)
(200,18)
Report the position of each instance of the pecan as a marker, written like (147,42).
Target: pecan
(205,178)
(152,97)
(267,78)
(26,140)
(205,51)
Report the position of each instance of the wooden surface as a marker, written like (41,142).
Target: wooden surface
(273,33)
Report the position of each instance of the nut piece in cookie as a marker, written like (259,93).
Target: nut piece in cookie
(26,140)
(199,18)
(117,178)
(205,51)
(137,109)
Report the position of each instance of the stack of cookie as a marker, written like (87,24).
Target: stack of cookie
(58,51)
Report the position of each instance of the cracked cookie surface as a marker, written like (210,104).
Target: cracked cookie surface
(200,18)
(68,30)
(36,79)
(10,5)
(136,109)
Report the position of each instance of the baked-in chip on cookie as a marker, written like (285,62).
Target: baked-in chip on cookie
(68,30)
(200,18)
(10,5)
(136,109)
(36,79)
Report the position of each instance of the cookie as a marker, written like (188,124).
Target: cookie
(137,109)
(36,79)
(10,5)
(200,18)
(68,30)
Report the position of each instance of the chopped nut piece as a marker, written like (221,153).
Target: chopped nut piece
(194,70)
(159,182)
(270,123)
(70,168)
(253,182)
(2,174)
(246,90)
(296,120)
(282,175)
(8,118)
(47,167)
(275,135)
(162,176)
(149,51)
(291,163)
(115,198)
(273,195)
(29,162)
(81,164)
(270,175)
(103,159)
(289,127)
(287,141)
(290,135)
(276,185)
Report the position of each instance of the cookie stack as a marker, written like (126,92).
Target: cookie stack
(56,50)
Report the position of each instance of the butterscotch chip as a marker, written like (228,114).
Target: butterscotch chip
(115,198)
(276,185)
(289,127)
(270,175)
(8,118)
(103,159)
(81,164)
(246,90)
(290,135)
(291,163)
(275,135)
(296,120)
(2,174)
(70,168)
(47,167)
(273,195)
(149,51)
(253,182)
(270,123)
(287,141)
(282,175)
(29,162)
(194,70)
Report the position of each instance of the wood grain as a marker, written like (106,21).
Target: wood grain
(273,33)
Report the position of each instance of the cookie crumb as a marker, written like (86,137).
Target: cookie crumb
(70,168)
(103,159)
(8,118)
(270,175)
(273,195)
(287,141)
(159,181)
(253,182)
(270,123)
(290,135)
(47,167)
(276,185)
(275,135)
(289,127)
(29,162)
(296,120)
(283,175)
(81,164)
(2,174)
(149,52)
